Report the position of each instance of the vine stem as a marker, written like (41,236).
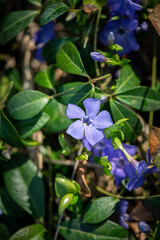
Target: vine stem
(154,74)
(72,177)
(101,190)
(95,39)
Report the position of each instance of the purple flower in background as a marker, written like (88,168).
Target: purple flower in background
(123,7)
(123,30)
(137,176)
(96,56)
(90,124)
(144,26)
(144,227)
(42,36)
(120,165)
(123,216)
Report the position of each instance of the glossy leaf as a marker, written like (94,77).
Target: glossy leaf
(69,60)
(35,231)
(52,11)
(74,229)
(36,2)
(15,22)
(74,93)
(27,127)
(127,80)
(58,120)
(26,104)
(25,184)
(141,98)
(100,209)
(50,49)
(45,77)
(9,206)
(13,76)
(8,132)
(131,128)
(65,202)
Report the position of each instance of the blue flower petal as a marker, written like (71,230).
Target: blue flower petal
(122,222)
(151,170)
(144,227)
(92,106)
(74,111)
(119,176)
(76,130)
(122,206)
(142,166)
(102,120)
(93,135)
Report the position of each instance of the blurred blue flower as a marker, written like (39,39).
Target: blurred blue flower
(123,7)
(144,26)
(96,56)
(136,177)
(42,36)
(123,216)
(120,164)
(144,227)
(90,124)
(123,30)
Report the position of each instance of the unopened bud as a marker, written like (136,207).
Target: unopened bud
(96,56)
(111,39)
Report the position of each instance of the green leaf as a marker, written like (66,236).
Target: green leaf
(65,202)
(74,229)
(8,132)
(4,233)
(15,22)
(35,231)
(35,2)
(13,76)
(64,185)
(74,93)
(126,80)
(131,128)
(9,206)
(96,3)
(45,77)
(52,11)
(62,141)
(26,104)
(27,127)
(141,98)
(25,184)
(58,119)
(100,209)
(69,60)
(50,49)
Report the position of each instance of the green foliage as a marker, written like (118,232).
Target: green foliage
(141,98)
(65,149)
(52,11)
(131,128)
(26,104)
(75,229)
(74,93)
(36,2)
(25,184)
(96,3)
(65,202)
(69,60)
(127,80)
(100,209)
(45,78)
(15,22)
(35,231)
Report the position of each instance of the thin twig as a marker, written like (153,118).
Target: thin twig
(88,32)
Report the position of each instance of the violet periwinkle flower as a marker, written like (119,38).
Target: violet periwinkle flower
(123,216)
(136,177)
(123,7)
(123,30)
(96,56)
(144,26)
(116,157)
(42,36)
(89,125)
(144,227)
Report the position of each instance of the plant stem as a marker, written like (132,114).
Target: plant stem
(50,186)
(118,196)
(154,73)
(95,39)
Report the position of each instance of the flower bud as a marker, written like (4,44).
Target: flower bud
(144,227)
(111,39)
(96,56)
